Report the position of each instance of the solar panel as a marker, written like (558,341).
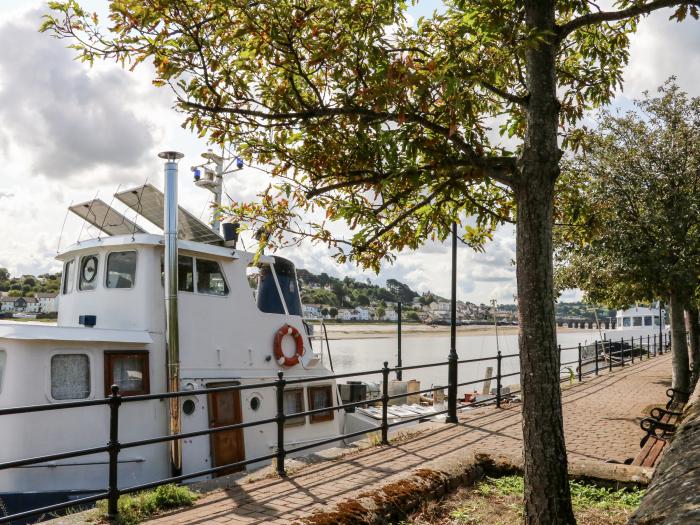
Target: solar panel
(103,216)
(149,202)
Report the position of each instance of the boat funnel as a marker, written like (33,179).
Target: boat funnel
(171,316)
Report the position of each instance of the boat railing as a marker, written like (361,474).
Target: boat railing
(603,349)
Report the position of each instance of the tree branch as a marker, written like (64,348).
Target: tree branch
(611,16)
(515,99)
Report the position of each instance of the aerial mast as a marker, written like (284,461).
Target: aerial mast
(210,176)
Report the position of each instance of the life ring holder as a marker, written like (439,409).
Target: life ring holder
(282,359)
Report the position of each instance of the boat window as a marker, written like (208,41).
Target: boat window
(210,279)
(127,370)
(656,320)
(647,320)
(70,376)
(68,276)
(185,273)
(3,360)
(268,295)
(293,404)
(88,272)
(320,397)
(626,321)
(121,269)
(638,321)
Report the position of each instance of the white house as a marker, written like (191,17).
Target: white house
(390,315)
(354,314)
(7,304)
(47,302)
(312,311)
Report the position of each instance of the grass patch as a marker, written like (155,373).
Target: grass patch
(499,501)
(134,508)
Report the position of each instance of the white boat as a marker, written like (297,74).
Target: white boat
(118,322)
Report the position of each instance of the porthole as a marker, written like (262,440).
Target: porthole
(254,403)
(188,407)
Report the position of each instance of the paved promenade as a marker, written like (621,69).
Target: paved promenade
(601,419)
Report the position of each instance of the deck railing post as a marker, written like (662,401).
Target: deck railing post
(580,364)
(596,358)
(499,360)
(279,387)
(385,403)
(113,492)
(622,351)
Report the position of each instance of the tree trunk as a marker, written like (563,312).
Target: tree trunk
(679,345)
(547,496)
(693,327)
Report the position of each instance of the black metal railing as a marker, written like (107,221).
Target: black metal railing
(608,349)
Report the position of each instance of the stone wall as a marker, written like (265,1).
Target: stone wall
(673,497)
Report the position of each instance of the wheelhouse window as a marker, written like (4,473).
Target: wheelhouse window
(210,279)
(121,269)
(268,296)
(637,321)
(3,360)
(320,397)
(626,321)
(647,320)
(185,273)
(68,276)
(70,376)
(656,320)
(88,272)
(293,404)
(127,370)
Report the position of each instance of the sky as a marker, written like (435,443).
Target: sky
(69,132)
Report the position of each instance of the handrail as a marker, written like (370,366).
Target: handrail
(115,400)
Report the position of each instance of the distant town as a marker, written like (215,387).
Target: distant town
(323,296)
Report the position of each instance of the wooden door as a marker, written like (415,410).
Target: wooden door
(226,446)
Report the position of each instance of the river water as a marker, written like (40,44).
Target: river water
(362,353)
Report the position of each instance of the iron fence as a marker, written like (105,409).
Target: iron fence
(613,352)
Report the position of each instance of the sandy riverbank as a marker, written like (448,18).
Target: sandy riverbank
(378,331)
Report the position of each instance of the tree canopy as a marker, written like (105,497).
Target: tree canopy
(632,206)
(390,127)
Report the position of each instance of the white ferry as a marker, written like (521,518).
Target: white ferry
(123,295)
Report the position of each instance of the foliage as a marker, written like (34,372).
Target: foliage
(382,124)
(632,203)
(584,495)
(29,285)
(134,508)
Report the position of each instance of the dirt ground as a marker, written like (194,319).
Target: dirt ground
(490,503)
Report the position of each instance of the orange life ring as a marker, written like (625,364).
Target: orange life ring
(282,359)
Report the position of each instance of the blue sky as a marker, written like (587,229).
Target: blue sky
(68,132)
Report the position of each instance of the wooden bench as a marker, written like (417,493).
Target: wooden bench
(660,427)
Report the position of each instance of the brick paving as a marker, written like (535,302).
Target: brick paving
(601,422)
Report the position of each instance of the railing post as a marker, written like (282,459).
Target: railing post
(596,358)
(610,363)
(648,347)
(385,403)
(632,350)
(399,361)
(113,493)
(622,351)
(499,359)
(661,344)
(654,340)
(580,364)
(451,388)
(281,472)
